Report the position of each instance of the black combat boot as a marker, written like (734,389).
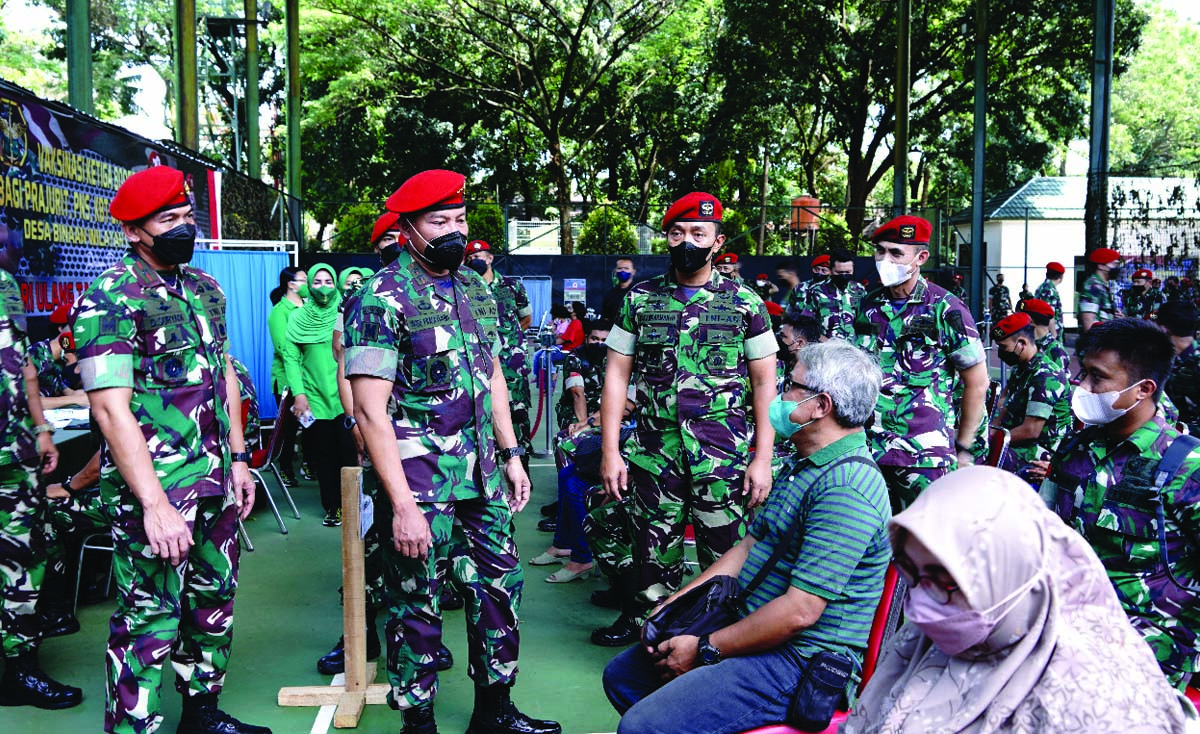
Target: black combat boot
(625,631)
(334,661)
(495,713)
(201,716)
(445,660)
(450,599)
(26,684)
(419,720)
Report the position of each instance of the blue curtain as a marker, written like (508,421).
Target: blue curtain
(248,279)
(538,288)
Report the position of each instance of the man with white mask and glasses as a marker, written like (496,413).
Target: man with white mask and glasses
(925,339)
(1130,484)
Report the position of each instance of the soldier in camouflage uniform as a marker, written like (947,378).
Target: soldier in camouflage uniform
(704,355)
(432,404)
(835,301)
(999,300)
(1139,300)
(514,315)
(1102,483)
(923,337)
(1041,314)
(1048,292)
(1096,301)
(1036,404)
(54,361)
(26,450)
(1183,386)
(153,356)
(957,289)
(793,300)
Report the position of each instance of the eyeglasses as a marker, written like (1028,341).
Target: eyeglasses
(789,384)
(940,586)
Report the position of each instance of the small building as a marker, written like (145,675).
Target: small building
(1153,222)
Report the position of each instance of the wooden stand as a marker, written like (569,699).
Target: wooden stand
(360,688)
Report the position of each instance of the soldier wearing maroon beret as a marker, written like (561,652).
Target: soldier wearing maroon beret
(153,356)
(1036,404)
(387,238)
(1096,301)
(1041,314)
(1048,292)
(1139,300)
(926,341)
(432,404)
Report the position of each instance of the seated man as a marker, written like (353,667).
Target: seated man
(1044,328)
(54,360)
(1103,481)
(1183,386)
(1036,404)
(820,597)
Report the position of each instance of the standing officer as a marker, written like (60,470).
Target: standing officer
(1096,301)
(1048,292)
(1044,325)
(514,314)
(432,403)
(153,356)
(999,300)
(727,265)
(923,337)
(623,273)
(835,301)
(26,450)
(704,354)
(792,300)
(386,238)
(1139,300)
(1036,406)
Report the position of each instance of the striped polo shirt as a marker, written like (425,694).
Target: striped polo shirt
(842,549)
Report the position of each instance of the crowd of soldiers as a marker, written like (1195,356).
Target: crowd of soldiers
(683,399)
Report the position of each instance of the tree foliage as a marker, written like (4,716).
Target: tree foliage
(486,222)
(607,230)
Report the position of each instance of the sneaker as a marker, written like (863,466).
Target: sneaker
(333,519)
(305,473)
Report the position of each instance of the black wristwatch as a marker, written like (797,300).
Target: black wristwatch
(707,652)
(242,456)
(506,454)
(349,422)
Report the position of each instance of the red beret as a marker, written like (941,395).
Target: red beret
(1056,267)
(1143,273)
(1010,325)
(695,207)
(148,192)
(60,315)
(476,246)
(1104,256)
(1185,281)
(727,258)
(1037,306)
(389,222)
(773,309)
(428,191)
(820,260)
(761,276)
(904,230)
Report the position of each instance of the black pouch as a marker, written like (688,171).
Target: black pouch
(821,690)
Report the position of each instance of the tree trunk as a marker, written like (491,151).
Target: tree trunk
(558,174)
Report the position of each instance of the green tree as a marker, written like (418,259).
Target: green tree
(607,230)
(353,232)
(486,222)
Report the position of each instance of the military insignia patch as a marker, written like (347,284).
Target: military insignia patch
(908,231)
(173,368)
(108,325)
(707,208)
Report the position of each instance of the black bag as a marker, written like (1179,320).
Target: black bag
(821,690)
(718,602)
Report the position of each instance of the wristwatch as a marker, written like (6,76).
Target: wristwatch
(506,454)
(350,422)
(707,652)
(43,428)
(242,456)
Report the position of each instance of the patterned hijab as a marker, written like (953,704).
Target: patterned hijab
(1064,659)
(312,323)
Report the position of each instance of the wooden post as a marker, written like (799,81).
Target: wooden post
(359,688)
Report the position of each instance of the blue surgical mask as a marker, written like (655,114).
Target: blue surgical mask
(779,412)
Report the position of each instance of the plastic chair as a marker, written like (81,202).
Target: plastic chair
(268,457)
(94,541)
(887,619)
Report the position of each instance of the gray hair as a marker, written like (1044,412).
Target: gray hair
(847,374)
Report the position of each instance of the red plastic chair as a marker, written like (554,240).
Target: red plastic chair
(265,458)
(887,616)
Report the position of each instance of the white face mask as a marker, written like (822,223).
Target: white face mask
(1096,409)
(890,273)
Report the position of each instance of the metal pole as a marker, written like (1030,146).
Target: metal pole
(292,10)
(978,256)
(903,82)
(253,154)
(79,56)
(186,85)
(762,219)
(1026,266)
(1096,204)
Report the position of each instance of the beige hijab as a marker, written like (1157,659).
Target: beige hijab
(1064,659)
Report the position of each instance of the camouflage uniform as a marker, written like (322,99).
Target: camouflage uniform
(795,301)
(429,338)
(689,453)
(1054,349)
(53,379)
(1039,389)
(512,304)
(22,544)
(1001,302)
(586,376)
(1107,494)
(168,344)
(834,308)
(1140,305)
(921,348)
(1048,292)
(1097,297)
(1183,387)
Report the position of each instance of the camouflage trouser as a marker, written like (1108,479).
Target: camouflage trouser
(80,514)
(665,500)
(608,531)
(22,558)
(489,574)
(904,483)
(515,367)
(183,611)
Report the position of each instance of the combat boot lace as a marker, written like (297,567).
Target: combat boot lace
(201,716)
(26,684)
(495,713)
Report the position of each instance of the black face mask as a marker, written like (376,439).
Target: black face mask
(479,265)
(594,354)
(445,252)
(840,281)
(175,246)
(388,254)
(688,258)
(1007,357)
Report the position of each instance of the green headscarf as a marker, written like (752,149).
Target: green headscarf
(312,323)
